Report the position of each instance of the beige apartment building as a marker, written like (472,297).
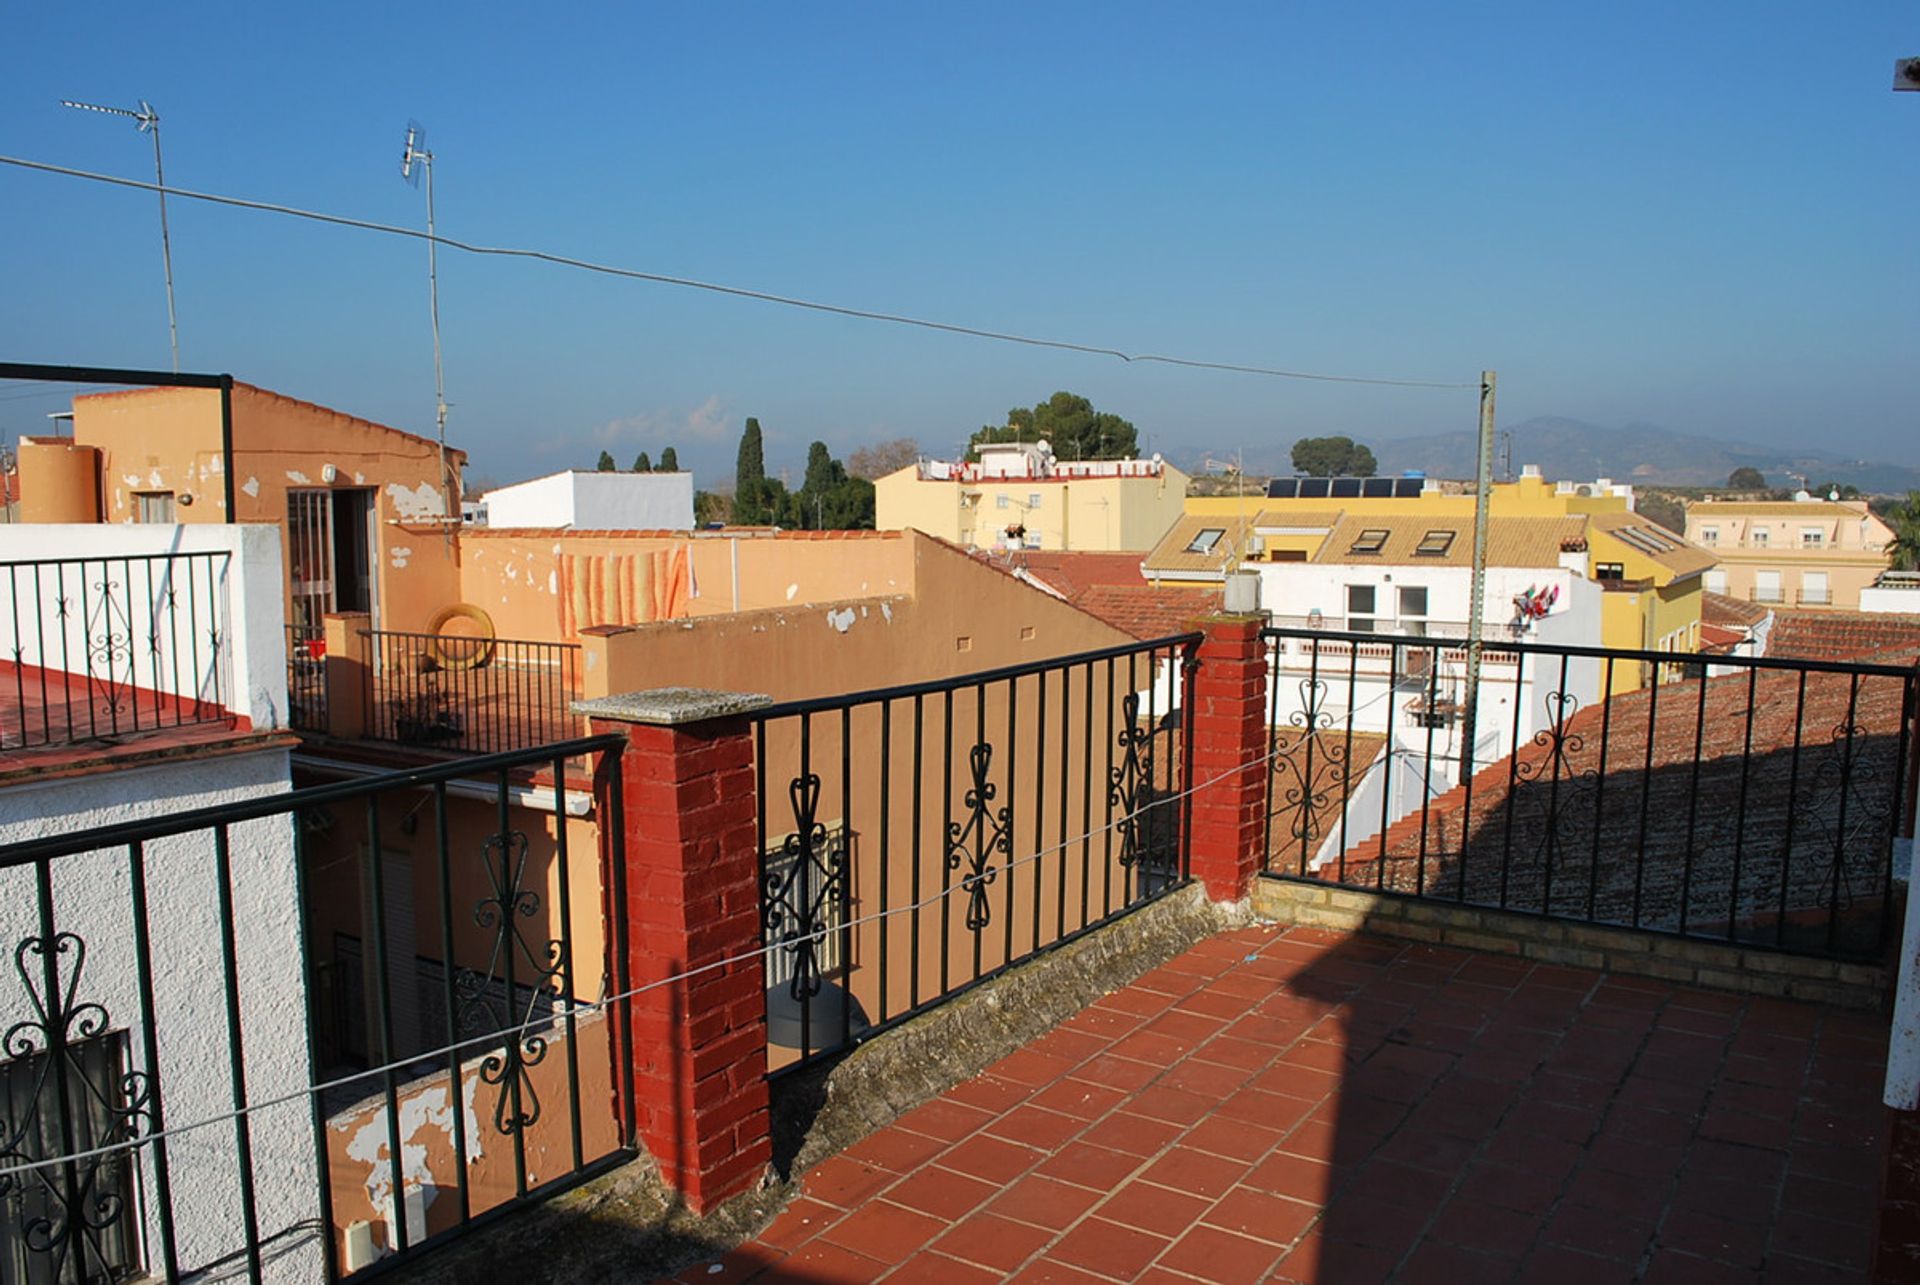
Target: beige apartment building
(1019,496)
(1800,553)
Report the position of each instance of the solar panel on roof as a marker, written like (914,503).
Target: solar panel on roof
(1377,488)
(1407,487)
(1346,488)
(1313,488)
(1283,488)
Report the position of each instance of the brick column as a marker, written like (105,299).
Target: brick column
(699,1055)
(1227,702)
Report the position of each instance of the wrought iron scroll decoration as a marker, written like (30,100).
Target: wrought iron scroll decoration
(1129,786)
(798,891)
(521,1046)
(1311,784)
(110,645)
(972,843)
(86,1196)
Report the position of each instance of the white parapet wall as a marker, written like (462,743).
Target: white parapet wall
(192,612)
(584,501)
(94,918)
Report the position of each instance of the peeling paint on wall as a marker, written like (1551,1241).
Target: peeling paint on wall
(252,487)
(887,612)
(398,555)
(415,502)
(841,620)
(298,478)
(792,589)
(425,1110)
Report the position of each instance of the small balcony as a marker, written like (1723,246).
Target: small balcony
(1816,598)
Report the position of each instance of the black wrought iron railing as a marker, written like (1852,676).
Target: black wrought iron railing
(160,965)
(481,695)
(307,678)
(917,840)
(1758,807)
(98,648)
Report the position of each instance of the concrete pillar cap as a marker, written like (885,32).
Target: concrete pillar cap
(671,706)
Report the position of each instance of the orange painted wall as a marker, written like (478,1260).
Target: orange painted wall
(548,585)
(168,439)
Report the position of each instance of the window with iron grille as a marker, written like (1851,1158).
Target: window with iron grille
(153,507)
(778,868)
(31,1129)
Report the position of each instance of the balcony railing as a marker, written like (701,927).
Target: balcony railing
(1759,594)
(307,678)
(1816,597)
(102,648)
(1758,808)
(918,840)
(162,986)
(480,695)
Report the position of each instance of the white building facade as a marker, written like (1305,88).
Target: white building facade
(593,501)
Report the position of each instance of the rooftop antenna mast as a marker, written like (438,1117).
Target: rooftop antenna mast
(417,155)
(148,122)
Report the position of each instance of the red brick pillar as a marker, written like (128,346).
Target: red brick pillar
(699,1054)
(1227,703)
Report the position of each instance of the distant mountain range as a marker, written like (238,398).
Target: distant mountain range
(1643,454)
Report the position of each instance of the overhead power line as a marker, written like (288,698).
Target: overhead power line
(739,292)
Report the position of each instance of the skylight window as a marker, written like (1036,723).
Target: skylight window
(1371,540)
(1435,544)
(1204,542)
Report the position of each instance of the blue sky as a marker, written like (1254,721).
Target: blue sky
(1702,215)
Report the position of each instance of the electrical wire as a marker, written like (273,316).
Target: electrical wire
(740,292)
(601,1005)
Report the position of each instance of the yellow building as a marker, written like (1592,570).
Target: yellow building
(1652,578)
(1018,496)
(1816,554)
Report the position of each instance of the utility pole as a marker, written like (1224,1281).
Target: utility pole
(416,153)
(1476,608)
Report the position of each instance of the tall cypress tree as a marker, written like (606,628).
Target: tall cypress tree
(641,464)
(669,461)
(751,467)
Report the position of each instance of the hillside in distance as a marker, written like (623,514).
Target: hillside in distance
(1644,454)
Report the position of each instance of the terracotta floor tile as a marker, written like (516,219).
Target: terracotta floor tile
(1296,1177)
(1184,1169)
(1236,1139)
(1049,1271)
(1032,1068)
(844,1181)
(1034,1126)
(1153,1209)
(1561,1266)
(944,1119)
(1081,1099)
(884,1231)
(941,1192)
(933,1268)
(1108,1248)
(1046,1202)
(800,1221)
(1116,1072)
(1176,1106)
(900,1150)
(1082,1163)
(1211,1254)
(988,1093)
(990,1159)
(819,1261)
(989,1240)
(1262,1215)
(1134,1134)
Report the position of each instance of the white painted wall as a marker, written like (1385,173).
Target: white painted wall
(247,607)
(596,502)
(91,898)
(1899,600)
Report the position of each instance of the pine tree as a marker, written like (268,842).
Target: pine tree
(641,464)
(606,464)
(669,461)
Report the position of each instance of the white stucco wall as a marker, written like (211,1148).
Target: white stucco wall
(245,604)
(1899,601)
(596,502)
(92,899)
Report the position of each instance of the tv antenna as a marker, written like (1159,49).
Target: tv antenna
(414,158)
(148,122)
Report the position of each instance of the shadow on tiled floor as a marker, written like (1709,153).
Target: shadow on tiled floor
(1302,1106)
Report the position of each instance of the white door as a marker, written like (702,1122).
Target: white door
(1766,586)
(1813,589)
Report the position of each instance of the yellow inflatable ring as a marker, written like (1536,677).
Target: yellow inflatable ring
(474,657)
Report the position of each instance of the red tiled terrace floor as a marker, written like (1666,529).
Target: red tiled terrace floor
(1294,1105)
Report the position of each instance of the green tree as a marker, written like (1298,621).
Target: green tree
(641,464)
(1746,478)
(1332,457)
(669,461)
(829,500)
(606,464)
(710,507)
(1664,509)
(1845,490)
(1904,517)
(1069,424)
(882,458)
(751,466)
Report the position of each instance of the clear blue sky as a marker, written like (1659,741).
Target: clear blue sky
(1702,215)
